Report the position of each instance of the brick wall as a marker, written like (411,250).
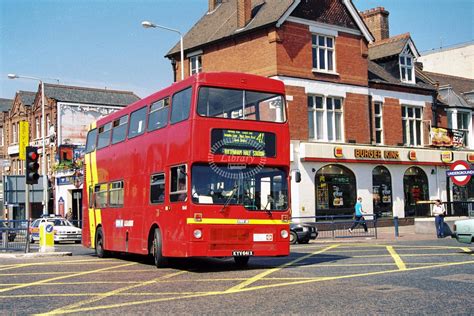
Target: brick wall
(298,113)
(294,55)
(392,122)
(253,54)
(356,116)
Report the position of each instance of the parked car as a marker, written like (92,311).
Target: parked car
(62,228)
(11,233)
(464,230)
(302,232)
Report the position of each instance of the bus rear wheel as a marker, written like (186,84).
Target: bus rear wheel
(159,259)
(99,244)
(241,261)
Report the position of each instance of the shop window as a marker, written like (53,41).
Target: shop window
(336,190)
(382,191)
(415,188)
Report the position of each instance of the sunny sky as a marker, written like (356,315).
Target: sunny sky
(101,43)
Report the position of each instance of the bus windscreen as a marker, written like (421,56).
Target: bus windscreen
(241,105)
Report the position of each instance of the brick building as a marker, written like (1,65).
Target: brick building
(359,109)
(68,112)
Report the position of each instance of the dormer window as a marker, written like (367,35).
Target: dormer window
(407,69)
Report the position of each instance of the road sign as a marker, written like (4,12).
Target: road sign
(24,139)
(460,172)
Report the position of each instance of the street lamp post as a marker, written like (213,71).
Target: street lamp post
(43,131)
(148,24)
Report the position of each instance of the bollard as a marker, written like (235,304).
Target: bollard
(395,225)
(46,241)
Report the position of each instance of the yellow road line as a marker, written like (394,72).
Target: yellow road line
(67,262)
(270,271)
(248,289)
(414,255)
(398,261)
(112,293)
(63,277)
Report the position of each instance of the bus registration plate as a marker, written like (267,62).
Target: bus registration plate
(242,253)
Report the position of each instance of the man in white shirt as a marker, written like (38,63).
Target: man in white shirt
(439,212)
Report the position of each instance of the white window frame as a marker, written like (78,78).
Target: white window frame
(413,119)
(38,127)
(409,69)
(15,133)
(195,64)
(453,124)
(378,116)
(316,47)
(325,119)
(2,139)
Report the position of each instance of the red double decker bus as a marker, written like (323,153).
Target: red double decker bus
(199,169)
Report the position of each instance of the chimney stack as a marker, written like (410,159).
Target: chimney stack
(377,22)
(213,5)
(244,10)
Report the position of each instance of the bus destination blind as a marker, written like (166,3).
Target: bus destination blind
(242,143)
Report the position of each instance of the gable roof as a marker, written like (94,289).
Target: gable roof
(378,74)
(86,95)
(459,85)
(5,104)
(221,23)
(391,46)
(27,97)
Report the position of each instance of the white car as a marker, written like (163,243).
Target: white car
(464,231)
(62,228)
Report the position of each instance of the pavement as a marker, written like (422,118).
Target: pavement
(384,235)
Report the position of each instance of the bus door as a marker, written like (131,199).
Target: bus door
(177,207)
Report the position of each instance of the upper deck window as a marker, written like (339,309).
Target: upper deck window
(119,131)
(158,117)
(180,106)
(137,123)
(241,105)
(91,140)
(104,136)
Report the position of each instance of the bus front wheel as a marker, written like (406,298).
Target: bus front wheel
(160,260)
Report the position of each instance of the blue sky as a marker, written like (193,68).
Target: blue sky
(100,43)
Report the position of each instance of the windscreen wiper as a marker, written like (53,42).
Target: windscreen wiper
(269,200)
(234,189)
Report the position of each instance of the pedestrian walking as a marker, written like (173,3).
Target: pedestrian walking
(439,212)
(358,216)
(69,215)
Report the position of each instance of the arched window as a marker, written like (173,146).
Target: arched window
(336,190)
(382,191)
(415,186)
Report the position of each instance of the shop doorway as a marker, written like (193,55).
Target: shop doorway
(336,193)
(76,206)
(382,191)
(415,186)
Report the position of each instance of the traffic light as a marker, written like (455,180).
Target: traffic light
(32,165)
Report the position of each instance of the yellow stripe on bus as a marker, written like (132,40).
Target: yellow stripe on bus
(236,221)
(95,216)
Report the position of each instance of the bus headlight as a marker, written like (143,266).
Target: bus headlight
(197,233)
(284,233)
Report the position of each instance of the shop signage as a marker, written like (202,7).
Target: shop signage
(442,137)
(460,172)
(376,154)
(470,157)
(412,155)
(446,156)
(338,152)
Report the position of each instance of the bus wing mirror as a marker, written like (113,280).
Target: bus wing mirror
(297,176)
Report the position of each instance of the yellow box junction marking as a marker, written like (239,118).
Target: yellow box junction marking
(399,262)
